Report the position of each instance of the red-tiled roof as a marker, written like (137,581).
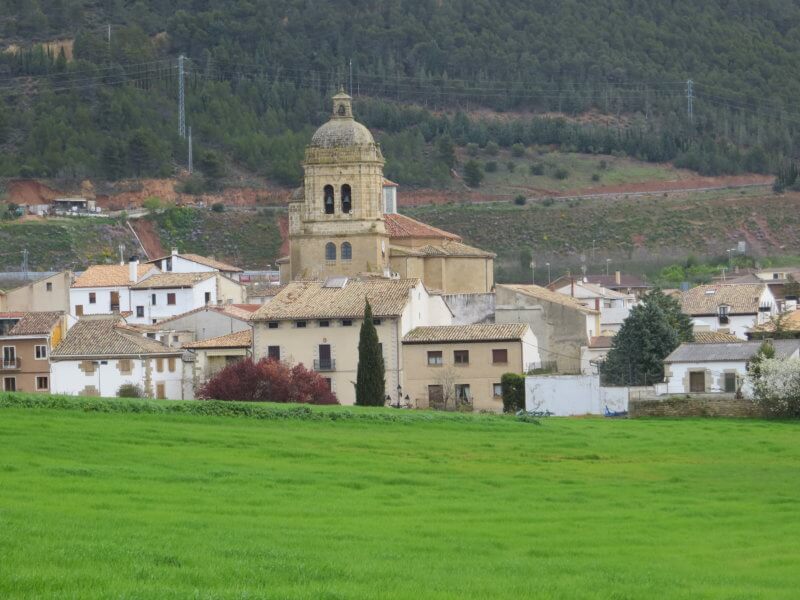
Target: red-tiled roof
(401,226)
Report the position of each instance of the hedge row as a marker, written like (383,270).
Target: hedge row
(217,408)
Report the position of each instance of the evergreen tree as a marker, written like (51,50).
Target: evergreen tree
(640,347)
(370,378)
(473,175)
(677,319)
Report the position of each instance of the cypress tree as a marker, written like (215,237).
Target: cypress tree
(370,379)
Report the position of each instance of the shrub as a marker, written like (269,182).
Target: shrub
(492,148)
(561,174)
(520,200)
(194,185)
(510,166)
(595,176)
(218,207)
(472,149)
(537,169)
(603,165)
(473,175)
(513,386)
(518,150)
(776,386)
(267,381)
(130,390)
(548,202)
(152,203)
(490,167)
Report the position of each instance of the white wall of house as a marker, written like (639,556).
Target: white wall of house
(530,350)
(737,325)
(181,265)
(677,376)
(568,395)
(66,377)
(102,303)
(206,324)
(186,299)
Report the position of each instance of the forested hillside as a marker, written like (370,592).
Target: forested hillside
(258,75)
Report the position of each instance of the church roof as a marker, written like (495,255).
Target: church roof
(401,226)
(445,249)
(341,133)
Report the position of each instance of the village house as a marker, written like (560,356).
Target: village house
(206,322)
(176,262)
(717,368)
(164,295)
(212,355)
(614,307)
(317,323)
(617,282)
(261,293)
(27,340)
(104,289)
(462,365)
(343,221)
(728,308)
(561,325)
(39,293)
(100,353)
(783,325)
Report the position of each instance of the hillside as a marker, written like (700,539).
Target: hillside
(258,76)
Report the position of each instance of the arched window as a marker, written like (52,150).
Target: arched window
(328,194)
(330,251)
(347,202)
(347,251)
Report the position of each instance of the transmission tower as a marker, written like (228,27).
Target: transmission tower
(690,99)
(181,108)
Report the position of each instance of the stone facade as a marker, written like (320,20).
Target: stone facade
(696,405)
(337,228)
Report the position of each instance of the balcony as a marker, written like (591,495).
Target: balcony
(11,365)
(324,364)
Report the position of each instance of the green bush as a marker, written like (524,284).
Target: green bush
(492,148)
(518,150)
(513,386)
(472,149)
(510,166)
(537,169)
(520,200)
(490,167)
(595,176)
(130,390)
(561,174)
(218,207)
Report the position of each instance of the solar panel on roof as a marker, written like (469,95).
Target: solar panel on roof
(335,282)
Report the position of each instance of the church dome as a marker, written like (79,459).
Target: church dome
(342,130)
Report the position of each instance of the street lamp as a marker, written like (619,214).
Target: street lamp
(548,273)
(533,272)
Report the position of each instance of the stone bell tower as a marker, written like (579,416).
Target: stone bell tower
(337,227)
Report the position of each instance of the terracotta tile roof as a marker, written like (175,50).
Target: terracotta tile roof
(789,321)
(706,299)
(542,293)
(601,341)
(714,337)
(389,183)
(401,226)
(105,337)
(172,280)
(36,323)
(238,339)
(202,260)
(264,291)
(312,300)
(110,275)
(466,333)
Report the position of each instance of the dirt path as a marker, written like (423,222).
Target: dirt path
(148,237)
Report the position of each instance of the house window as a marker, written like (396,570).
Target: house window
(328,199)
(160,365)
(500,356)
(171,299)
(168,264)
(723,314)
(114,302)
(461,357)
(376,321)
(49,286)
(42,383)
(274,352)
(497,390)
(330,252)
(208,297)
(79,310)
(435,394)
(140,311)
(347,322)
(324,323)
(300,324)
(272,324)
(171,364)
(9,357)
(347,201)
(92,298)
(435,358)
(328,381)
(175,339)
(730,383)
(10,384)
(41,352)
(152,299)
(462,392)
(347,251)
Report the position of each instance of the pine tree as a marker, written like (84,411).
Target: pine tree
(370,378)
(678,320)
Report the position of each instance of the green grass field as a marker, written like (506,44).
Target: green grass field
(174,506)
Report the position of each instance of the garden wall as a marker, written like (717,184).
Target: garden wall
(697,405)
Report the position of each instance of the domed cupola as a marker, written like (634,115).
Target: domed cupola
(342,131)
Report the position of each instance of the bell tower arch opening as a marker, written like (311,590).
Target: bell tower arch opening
(329,204)
(347,199)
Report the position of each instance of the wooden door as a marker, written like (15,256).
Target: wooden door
(697,382)
(114,301)
(161,392)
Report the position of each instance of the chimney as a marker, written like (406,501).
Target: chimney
(174,252)
(133,269)
(617,277)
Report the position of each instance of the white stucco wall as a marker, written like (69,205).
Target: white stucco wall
(102,305)
(568,395)
(737,325)
(66,377)
(186,299)
(677,376)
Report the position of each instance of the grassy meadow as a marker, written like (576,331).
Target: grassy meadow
(99,505)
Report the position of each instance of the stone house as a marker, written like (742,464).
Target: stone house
(100,353)
(105,289)
(41,294)
(317,323)
(463,364)
(27,340)
(614,307)
(210,356)
(728,308)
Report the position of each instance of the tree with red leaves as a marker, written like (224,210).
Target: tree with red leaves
(267,381)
